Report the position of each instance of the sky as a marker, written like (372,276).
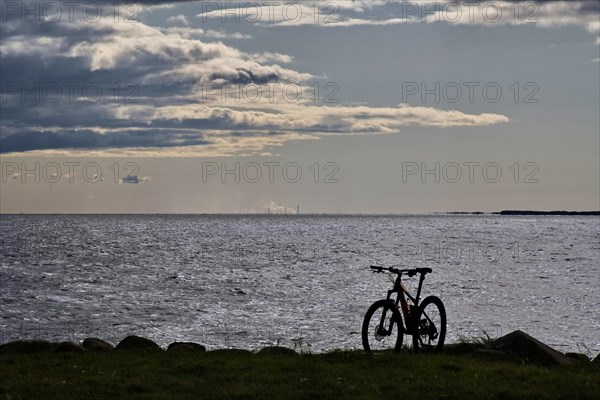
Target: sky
(327,107)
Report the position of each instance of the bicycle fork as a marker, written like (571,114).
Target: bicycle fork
(393,305)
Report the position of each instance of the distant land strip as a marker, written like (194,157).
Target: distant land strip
(528,212)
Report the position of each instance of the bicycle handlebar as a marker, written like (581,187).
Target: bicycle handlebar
(409,272)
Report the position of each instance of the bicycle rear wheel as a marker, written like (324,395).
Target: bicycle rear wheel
(382,327)
(431,328)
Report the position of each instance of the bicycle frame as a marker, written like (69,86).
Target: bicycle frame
(403,293)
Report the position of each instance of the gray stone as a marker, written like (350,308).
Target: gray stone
(137,343)
(26,346)
(231,351)
(95,344)
(521,345)
(186,346)
(458,348)
(276,350)
(68,347)
(578,356)
(490,354)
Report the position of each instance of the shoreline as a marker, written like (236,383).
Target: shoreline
(278,374)
(517,344)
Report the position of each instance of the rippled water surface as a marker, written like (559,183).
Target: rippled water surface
(300,281)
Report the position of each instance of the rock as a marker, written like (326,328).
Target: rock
(459,348)
(137,343)
(597,359)
(276,350)
(521,345)
(490,354)
(68,347)
(578,357)
(26,346)
(231,351)
(185,346)
(95,344)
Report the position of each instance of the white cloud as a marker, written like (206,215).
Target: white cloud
(38,46)
(185,121)
(149,8)
(133,43)
(343,13)
(188,33)
(299,118)
(268,57)
(178,20)
(224,35)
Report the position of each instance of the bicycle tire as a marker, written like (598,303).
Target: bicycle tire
(372,339)
(431,329)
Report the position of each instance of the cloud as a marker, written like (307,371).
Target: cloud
(190,33)
(93,139)
(546,13)
(347,14)
(146,90)
(133,44)
(178,20)
(223,130)
(269,57)
(38,46)
(310,118)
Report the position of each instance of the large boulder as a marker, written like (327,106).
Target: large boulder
(459,348)
(26,346)
(276,350)
(185,346)
(489,354)
(137,343)
(579,357)
(68,347)
(232,352)
(95,344)
(521,345)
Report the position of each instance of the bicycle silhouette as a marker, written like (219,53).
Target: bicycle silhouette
(382,327)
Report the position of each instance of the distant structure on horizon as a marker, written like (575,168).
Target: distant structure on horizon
(287,211)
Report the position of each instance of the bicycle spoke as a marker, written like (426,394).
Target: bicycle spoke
(431,328)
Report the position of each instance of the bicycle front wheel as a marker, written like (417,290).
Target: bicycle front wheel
(431,325)
(382,328)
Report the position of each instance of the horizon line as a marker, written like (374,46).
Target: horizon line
(501,213)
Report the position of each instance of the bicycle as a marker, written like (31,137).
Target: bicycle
(382,327)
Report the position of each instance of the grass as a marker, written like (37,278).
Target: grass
(335,375)
(481,341)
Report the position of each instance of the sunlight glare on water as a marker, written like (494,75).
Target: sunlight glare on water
(299,281)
